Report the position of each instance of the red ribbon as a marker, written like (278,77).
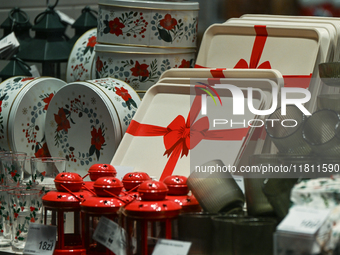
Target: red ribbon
(216,72)
(182,135)
(260,41)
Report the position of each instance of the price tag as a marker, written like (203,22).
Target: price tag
(65,17)
(111,235)
(41,239)
(171,247)
(34,71)
(304,220)
(240,181)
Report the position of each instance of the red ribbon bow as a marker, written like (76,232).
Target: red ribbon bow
(182,135)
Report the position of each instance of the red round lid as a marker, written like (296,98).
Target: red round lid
(64,200)
(152,209)
(101,170)
(177,185)
(101,205)
(111,184)
(153,190)
(71,181)
(131,180)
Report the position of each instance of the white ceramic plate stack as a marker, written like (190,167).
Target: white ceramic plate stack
(138,40)
(80,61)
(86,121)
(263,79)
(23,106)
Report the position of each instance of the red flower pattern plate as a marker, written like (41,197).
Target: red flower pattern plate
(87,119)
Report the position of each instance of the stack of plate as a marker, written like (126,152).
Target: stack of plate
(294,46)
(138,40)
(164,112)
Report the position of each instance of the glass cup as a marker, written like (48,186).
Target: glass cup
(16,167)
(223,233)
(3,180)
(261,240)
(286,131)
(197,229)
(45,169)
(25,208)
(322,132)
(5,220)
(217,193)
(329,101)
(278,192)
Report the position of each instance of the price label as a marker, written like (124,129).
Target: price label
(304,220)
(34,71)
(111,235)
(41,239)
(171,247)
(240,182)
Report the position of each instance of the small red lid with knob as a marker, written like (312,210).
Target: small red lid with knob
(177,185)
(65,181)
(101,170)
(111,184)
(152,190)
(133,179)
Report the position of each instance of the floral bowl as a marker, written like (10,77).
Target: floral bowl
(138,66)
(148,23)
(23,107)
(81,57)
(86,121)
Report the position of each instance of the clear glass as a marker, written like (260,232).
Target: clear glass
(45,169)
(17,169)
(26,208)
(5,219)
(286,131)
(329,101)
(321,132)
(2,170)
(215,194)
(261,240)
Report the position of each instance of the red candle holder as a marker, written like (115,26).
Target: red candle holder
(150,217)
(62,209)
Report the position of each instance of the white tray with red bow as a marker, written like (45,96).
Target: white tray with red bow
(293,51)
(170,135)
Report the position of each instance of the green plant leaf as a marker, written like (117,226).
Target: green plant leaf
(165,35)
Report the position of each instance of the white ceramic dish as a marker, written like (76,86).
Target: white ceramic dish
(148,23)
(87,120)
(81,57)
(140,67)
(24,103)
(162,114)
